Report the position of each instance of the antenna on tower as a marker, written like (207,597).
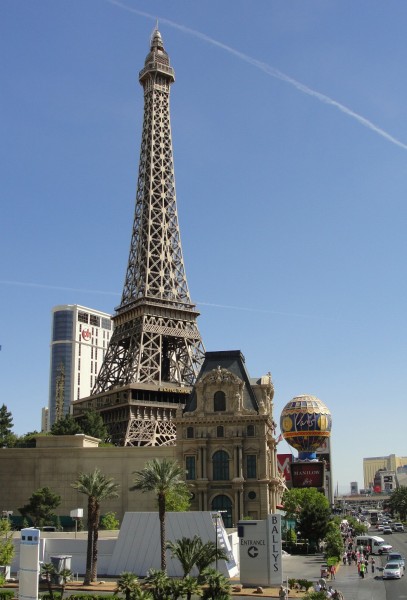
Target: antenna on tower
(155,30)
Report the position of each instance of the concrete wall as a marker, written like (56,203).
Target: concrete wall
(58,464)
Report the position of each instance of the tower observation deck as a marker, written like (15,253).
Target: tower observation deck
(155,351)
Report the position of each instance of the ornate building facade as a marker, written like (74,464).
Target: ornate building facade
(225,440)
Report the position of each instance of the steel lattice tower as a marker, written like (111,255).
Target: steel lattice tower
(155,351)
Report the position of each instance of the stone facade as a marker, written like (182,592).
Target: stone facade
(225,440)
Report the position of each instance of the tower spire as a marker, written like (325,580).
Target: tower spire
(156,351)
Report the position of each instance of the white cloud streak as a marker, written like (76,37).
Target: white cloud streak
(47,286)
(269,70)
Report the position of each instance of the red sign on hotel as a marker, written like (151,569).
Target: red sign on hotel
(307,474)
(283,464)
(86,335)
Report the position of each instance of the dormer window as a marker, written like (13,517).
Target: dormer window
(219,402)
(250,431)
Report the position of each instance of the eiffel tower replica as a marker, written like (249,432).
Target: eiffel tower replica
(155,351)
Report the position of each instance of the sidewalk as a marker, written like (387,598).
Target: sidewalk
(308,567)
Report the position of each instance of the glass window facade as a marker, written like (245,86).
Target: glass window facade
(61,369)
(94,320)
(106,323)
(220,463)
(251,466)
(62,326)
(190,467)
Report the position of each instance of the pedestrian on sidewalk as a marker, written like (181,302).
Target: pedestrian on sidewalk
(372,564)
(362,569)
(283,593)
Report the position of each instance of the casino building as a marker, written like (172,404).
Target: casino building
(79,340)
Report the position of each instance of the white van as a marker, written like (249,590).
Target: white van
(376,543)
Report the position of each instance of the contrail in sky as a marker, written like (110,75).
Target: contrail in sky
(269,70)
(47,286)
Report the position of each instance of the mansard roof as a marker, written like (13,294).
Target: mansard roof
(233,361)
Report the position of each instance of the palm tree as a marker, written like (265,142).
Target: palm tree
(191,586)
(140,594)
(97,487)
(64,576)
(217,585)
(158,584)
(48,570)
(161,478)
(127,584)
(208,554)
(187,551)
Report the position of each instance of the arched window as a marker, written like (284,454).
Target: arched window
(190,432)
(220,464)
(223,504)
(250,431)
(220,431)
(219,401)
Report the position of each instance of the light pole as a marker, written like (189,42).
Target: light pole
(216,516)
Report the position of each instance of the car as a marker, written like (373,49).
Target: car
(384,548)
(380,527)
(392,570)
(387,530)
(398,527)
(396,557)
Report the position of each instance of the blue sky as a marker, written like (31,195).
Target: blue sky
(290,145)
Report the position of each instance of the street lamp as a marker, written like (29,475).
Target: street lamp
(216,516)
(76,515)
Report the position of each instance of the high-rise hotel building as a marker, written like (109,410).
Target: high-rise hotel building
(80,337)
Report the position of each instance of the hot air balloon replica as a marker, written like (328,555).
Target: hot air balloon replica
(305,424)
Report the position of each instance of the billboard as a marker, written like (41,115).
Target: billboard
(283,464)
(308,474)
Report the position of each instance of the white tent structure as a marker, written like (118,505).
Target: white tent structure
(137,547)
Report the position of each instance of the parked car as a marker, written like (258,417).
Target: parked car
(392,570)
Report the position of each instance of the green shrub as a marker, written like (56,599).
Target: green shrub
(305,584)
(109,521)
(6,595)
(315,595)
